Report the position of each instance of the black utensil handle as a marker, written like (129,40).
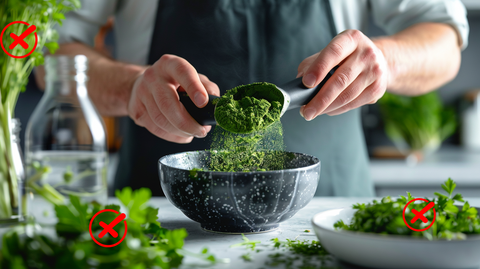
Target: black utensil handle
(301,95)
(205,115)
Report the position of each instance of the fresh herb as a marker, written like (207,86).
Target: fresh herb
(14,72)
(386,216)
(250,245)
(304,247)
(146,244)
(290,254)
(421,122)
(247,257)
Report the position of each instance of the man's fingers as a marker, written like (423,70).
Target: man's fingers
(159,119)
(338,82)
(303,66)
(350,93)
(166,99)
(369,96)
(154,129)
(336,51)
(141,118)
(212,88)
(178,70)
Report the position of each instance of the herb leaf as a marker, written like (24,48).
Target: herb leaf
(386,217)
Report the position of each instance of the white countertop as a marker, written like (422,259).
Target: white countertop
(219,244)
(461,165)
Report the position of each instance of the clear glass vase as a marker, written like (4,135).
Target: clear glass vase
(65,149)
(12,209)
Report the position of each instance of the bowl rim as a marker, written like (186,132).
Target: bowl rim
(312,166)
(389,237)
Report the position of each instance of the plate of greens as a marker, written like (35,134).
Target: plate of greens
(375,234)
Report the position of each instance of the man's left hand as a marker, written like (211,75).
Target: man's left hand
(361,78)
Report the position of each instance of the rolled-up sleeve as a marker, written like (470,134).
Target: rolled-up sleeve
(396,15)
(82,25)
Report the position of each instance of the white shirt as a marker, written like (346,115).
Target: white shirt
(135,19)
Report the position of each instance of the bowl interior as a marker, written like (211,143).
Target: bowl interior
(200,160)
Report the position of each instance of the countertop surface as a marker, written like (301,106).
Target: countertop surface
(460,164)
(219,244)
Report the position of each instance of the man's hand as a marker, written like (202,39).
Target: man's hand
(154,102)
(361,78)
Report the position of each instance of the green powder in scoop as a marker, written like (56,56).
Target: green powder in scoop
(249,108)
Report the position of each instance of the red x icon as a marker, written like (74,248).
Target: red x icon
(19,40)
(108,228)
(420,215)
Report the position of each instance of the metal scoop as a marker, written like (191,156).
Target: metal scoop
(294,92)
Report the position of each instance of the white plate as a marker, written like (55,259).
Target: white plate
(392,251)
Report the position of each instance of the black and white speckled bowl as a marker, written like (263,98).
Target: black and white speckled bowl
(238,202)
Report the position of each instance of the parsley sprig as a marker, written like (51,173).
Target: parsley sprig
(455,218)
(291,253)
(146,245)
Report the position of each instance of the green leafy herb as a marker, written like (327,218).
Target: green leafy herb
(419,121)
(146,244)
(291,254)
(386,216)
(250,245)
(247,257)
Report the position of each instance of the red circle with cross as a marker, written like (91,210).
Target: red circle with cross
(19,40)
(108,228)
(420,215)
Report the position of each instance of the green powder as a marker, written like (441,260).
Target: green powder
(249,134)
(259,151)
(249,108)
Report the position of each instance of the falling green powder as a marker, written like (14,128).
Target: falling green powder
(249,134)
(263,150)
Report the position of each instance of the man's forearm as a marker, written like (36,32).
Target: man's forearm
(110,82)
(421,58)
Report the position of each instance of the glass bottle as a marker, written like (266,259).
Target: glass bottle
(18,164)
(17,205)
(65,144)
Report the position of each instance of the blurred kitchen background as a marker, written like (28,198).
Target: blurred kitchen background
(394,168)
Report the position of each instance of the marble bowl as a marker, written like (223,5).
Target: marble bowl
(238,202)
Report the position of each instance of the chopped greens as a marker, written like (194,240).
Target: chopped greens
(291,254)
(386,216)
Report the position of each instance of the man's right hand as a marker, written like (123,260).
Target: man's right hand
(154,102)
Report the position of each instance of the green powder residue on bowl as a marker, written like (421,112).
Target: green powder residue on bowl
(249,108)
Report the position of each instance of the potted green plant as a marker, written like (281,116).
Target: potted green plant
(417,125)
(14,72)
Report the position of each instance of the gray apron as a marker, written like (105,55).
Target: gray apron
(236,42)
